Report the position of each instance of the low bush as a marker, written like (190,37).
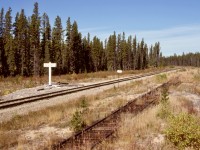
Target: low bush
(164,111)
(184,131)
(83,103)
(161,77)
(77,122)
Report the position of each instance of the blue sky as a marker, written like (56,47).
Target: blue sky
(174,23)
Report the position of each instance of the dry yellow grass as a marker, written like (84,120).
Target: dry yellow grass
(60,116)
(11,84)
(137,132)
(145,131)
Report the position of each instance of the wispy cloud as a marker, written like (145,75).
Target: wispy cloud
(173,40)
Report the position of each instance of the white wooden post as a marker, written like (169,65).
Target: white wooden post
(49,65)
(119,71)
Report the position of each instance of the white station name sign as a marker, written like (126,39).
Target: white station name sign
(49,65)
(119,71)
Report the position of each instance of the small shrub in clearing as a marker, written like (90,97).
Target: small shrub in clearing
(161,78)
(6,92)
(164,111)
(83,102)
(77,123)
(184,131)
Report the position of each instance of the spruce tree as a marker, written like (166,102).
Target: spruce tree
(8,43)
(138,63)
(57,44)
(23,51)
(156,53)
(151,56)
(76,46)
(142,54)
(1,42)
(111,52)
(124,52)
(145,57)
(69,53)
(35,40)
(118,53)
(86,46)
(97,52)
(129,53)
(134,52)
(45,41)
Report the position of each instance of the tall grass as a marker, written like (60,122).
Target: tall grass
(60,115)
(11,84)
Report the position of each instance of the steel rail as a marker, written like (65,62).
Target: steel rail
(91,136)
(19,101)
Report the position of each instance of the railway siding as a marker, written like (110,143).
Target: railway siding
(91,136)
(19,101)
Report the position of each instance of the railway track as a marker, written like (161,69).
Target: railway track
(92,136)
(19,101)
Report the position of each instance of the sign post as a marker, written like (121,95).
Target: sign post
(119,71)
(49,65)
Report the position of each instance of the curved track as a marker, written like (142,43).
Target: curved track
(20,101)
(92,136)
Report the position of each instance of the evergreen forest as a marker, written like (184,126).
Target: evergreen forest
(26,42)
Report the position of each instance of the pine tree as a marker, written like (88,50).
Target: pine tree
(138,63)
(1,42)
(23,53)
(118,53)
(45,41)
(97,51)
(76,46)
(111,52)
(57,44)
(129,53)
(145,57)
(124,52)
(8,43)
(142,55)
(156,53)
(151,56)
(86,46)
(134,52)
(69,54)
(35,40)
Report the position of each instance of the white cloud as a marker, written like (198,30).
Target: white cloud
(173,40)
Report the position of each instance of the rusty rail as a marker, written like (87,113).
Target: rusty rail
(91,136)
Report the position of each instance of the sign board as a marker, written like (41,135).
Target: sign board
(49,65)
(119,71)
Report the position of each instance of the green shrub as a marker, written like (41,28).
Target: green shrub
(164,111)
(161,77)
(164,96)
(77,123)
(83,102)
(6,92)
(184,131)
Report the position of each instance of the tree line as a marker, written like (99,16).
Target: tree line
(28,42)
(190,59)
